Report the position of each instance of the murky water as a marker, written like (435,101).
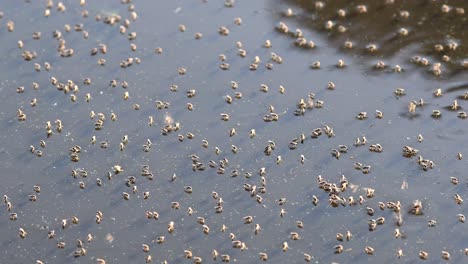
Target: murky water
(359,88)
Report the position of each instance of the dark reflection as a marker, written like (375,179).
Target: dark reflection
(431,29)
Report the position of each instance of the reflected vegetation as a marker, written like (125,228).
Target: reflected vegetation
(404,29)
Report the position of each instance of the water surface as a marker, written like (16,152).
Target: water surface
(359,87)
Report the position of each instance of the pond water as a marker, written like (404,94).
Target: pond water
(359,86)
